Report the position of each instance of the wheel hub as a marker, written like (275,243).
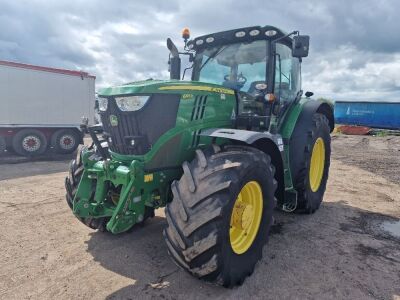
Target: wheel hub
(67,142)
(31,143)
(242,215)
(246,217)
(317,164)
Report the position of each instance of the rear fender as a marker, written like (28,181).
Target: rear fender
(297,139)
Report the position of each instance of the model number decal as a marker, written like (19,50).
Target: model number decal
(187,96)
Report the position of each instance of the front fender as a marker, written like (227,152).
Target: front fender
(246,136)
(271,144)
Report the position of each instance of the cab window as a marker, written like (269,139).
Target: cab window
(237,66)
(287,74)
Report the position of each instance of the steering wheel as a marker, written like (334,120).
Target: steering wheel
(241,80)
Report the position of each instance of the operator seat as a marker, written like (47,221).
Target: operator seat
(252,89)
(285,92)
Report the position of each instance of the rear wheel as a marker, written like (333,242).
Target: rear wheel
(65,141)
(221,214)
(71,186)
(29,142)
(313,176)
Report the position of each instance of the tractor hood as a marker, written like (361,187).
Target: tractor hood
(163,87)
(136,131)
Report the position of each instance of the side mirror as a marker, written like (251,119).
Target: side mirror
(174,61)
(300,46)
(172,48)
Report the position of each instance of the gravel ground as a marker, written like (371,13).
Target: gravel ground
(340,252)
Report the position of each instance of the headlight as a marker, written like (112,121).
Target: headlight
(103,104)
(131,103)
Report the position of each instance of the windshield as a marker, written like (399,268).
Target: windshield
(238,66)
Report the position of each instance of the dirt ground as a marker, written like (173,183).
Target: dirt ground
(340,252)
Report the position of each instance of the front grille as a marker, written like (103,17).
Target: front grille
(144,126)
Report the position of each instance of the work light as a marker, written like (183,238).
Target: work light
(270,33)
(103,104)
(254,32)
(210,39)
(240,34)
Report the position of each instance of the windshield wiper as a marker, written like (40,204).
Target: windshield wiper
(218,51)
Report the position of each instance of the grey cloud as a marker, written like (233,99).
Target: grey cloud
(354,50)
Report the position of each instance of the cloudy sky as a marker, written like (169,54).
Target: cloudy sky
(355,45)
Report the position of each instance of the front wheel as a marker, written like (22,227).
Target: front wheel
(71,186)
(221,214)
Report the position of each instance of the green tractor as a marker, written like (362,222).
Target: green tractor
(219,152)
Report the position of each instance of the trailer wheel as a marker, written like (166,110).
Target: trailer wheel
(65,141)
(3,145)
(221,214)
(71,186)
(29,142)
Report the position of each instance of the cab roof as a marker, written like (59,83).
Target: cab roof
(245,34)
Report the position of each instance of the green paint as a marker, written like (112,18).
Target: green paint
(140,188)
(144,180)
(129,171)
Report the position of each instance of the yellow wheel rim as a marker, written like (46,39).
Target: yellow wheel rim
(317,164)
(246,217)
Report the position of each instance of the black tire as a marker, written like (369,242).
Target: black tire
(3,145)
(71,186)
(198,218)
(308,200)
(65,141)
(29,142)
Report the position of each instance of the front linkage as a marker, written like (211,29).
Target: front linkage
(121,194)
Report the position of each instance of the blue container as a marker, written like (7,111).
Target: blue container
(371,114)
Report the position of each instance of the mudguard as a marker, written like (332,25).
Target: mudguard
(249,137)
(272,144)
(298,139)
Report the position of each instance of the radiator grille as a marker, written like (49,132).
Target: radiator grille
(144,126)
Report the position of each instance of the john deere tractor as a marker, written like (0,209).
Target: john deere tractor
(219,152)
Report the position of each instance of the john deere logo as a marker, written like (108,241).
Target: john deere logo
(113,120)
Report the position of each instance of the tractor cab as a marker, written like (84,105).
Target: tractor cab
(261,64)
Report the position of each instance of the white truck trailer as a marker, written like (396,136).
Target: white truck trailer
(42,108)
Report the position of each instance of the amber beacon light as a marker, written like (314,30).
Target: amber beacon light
(185,33)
